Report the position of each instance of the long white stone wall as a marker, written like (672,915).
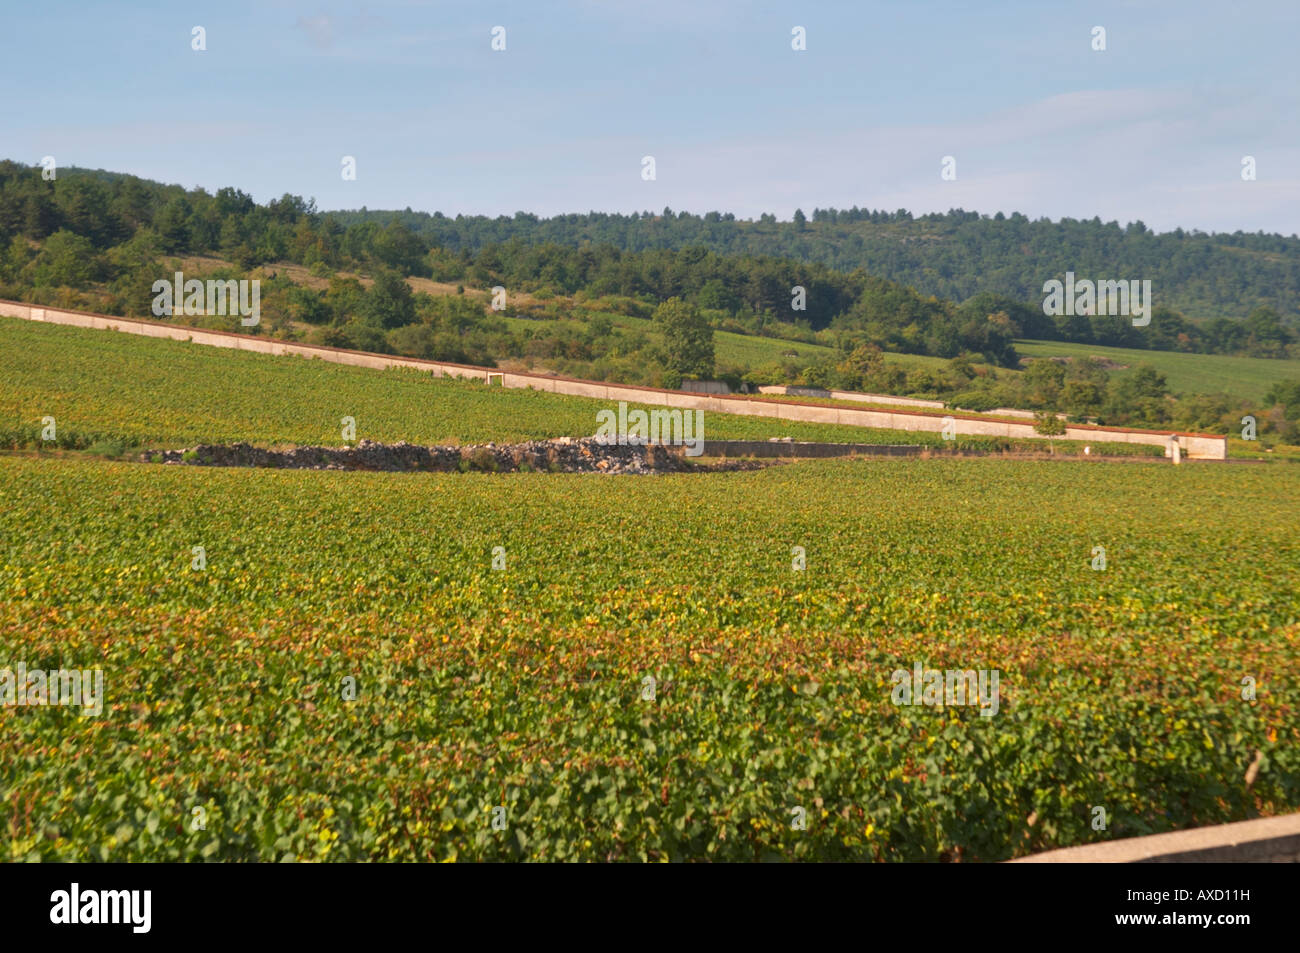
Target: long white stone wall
(1194,446)
(792,391)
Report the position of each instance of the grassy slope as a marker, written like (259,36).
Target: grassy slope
(100,384)
(1246,377)
(746,351)
(479,688)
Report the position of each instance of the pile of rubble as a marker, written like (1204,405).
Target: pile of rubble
(564,455)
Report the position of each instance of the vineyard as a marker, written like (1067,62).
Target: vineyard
(1248,377)
(105,388)
(644,674)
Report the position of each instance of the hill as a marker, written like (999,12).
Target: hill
(955,255)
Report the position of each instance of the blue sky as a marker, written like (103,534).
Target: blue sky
(1154,128)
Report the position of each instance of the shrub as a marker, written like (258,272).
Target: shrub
(111,449)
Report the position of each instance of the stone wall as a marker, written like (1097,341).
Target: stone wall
(564,455)
(791,449)
(1026,414)
(849,395)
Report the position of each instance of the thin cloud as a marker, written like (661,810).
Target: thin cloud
(319,30)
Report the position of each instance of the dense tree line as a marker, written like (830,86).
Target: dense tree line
(956,255)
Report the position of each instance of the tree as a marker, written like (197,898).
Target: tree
(172,223)
(1139,397)
(1049,425)
(303,304)
(345,299)
(1042,382)
(65,260)
(15,259)
(688,338)
(400,248)
(716,296)
(864,363)
(1285,396)
(388,302)
(1267,336)
(1081,398)
(40,215)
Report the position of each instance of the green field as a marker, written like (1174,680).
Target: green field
(107,386)
(523,688)
(746,351)
(1246,377)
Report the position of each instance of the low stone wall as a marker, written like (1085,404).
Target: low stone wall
(1267,840)
(850,395)
(789,449)
(1012,412)
(564,455)
(1194,446)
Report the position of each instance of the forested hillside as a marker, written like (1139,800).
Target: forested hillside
(954,255)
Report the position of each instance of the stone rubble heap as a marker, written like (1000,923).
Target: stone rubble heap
(565,455)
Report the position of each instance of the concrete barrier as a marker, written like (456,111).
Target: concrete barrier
(790,449)
(1013,412)
(1266,840)
(849,395)
(1195,446)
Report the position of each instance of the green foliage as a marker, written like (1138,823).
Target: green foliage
(1285,394)
(688,338)
(522,688)
(958,255)
(1241,377)
(863,365)
(110,449)
(1283,401)
(1048,424)
(978,401)
(389,303)
(65,259)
